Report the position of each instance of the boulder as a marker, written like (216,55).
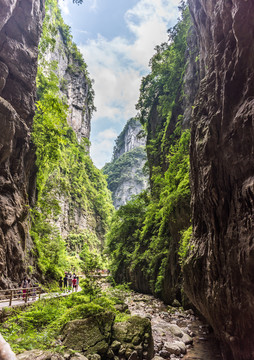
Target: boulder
(121,307)
(91,335)
(135,335)
(40,355)
(181,345)
(186,339)
(175,330)
(78,356)
(172,348)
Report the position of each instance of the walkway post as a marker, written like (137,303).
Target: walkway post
(11,297)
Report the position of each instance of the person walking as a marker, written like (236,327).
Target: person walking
(29,285)
(69,282)
(74,283)
(24,285)
(65,281)
(61,283)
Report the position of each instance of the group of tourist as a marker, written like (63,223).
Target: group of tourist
(69,282)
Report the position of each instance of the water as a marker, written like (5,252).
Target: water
(205,346)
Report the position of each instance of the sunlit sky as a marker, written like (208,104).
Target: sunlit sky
(117,39)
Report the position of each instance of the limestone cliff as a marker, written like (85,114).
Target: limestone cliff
(219,270)
(73,203)
(20,28)
(69,67)
(130,138)
(125,173)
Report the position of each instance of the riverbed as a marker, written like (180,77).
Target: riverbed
(201,344)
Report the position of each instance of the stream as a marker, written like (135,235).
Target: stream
(200,343)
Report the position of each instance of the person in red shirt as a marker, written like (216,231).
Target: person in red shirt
(74,283)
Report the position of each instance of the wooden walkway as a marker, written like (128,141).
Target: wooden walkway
(23,296)
(16,297)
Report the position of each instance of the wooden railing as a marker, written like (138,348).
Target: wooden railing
(20,294)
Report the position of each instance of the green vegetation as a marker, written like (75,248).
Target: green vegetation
(141,232)
(131,123)
(119,170)
(144,236)
(40,324)
(66,176)
(126,167)
(52,25)
(184,244)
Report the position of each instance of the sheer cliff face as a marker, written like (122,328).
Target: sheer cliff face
(219,274)
(20,26)
(125,173)
(129,139)
(73,85)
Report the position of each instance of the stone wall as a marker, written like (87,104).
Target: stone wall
(220,267)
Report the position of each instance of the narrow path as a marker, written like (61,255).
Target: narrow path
(30,300)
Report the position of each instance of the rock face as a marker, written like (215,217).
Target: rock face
(91,335)
(99,335)
(74,85)
(129,139)
(135,337)
(219,271)
(20,28)
(125,172)
(62,67)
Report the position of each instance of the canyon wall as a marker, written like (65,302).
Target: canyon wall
(74,204)
(220,266)
(125,175)
(71,71)
(20,28)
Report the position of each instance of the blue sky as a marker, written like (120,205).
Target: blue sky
(117,39)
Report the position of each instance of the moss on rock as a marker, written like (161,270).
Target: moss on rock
(91,335)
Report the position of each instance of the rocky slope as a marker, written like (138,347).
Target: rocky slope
(125,173)
(219,269)
(20,28)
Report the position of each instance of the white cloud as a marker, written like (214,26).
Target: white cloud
(93,4)
(117,65)
(102,147)
(64,6)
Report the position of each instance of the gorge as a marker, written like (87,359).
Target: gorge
(186,238)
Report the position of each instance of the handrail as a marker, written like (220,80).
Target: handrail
(14,289)
(20,293)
